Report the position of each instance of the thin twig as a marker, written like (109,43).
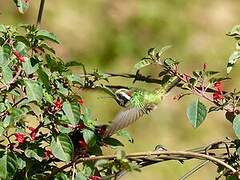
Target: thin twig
(193,170)
(40,12)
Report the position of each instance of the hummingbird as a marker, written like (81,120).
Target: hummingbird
(136,103)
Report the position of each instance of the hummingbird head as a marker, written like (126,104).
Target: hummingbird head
(123,96)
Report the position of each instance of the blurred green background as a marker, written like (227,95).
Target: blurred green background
(113,35)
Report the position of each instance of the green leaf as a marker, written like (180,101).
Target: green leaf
(120,154)
(61,88)
(143,63)
(165,48)
(196,113)
(30,66)
(34,90)
(23,39)
(123,133)
(72,111)
(236,125)
(61,176)
(62,147)
(7,74)
(89,137)
(5,52)
(3,28)
(112,141)
(21,48)
(232,60)
(8,164)
(22,5)
(43,34)
(47,47)
(80,176)
(30,153)
(44,78)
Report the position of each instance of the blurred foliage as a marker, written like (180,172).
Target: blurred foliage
(114,35)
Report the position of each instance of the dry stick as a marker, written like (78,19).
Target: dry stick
(40,12)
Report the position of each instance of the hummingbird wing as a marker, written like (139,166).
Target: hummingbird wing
(124,118)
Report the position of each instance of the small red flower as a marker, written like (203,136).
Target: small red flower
(217,96)
(20,58)
(47,153)
(20,137)
(94,177)
(58,104)
(81,101)
(33,132)
(82,144)
(218,86)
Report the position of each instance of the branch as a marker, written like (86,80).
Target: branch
(14,79)
(144,159)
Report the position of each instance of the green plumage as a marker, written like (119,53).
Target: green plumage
(138,102)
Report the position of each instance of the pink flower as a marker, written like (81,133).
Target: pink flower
(20,137)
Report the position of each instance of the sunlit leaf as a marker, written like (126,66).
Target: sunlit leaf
(72,112)
(8,164)
(89,137)
(235,56)
(45,35)
(62,147)
(34,90)
(236,125)
(196,113)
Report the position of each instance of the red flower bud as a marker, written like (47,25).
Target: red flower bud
(20,137)
(94,177)
(82,144)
